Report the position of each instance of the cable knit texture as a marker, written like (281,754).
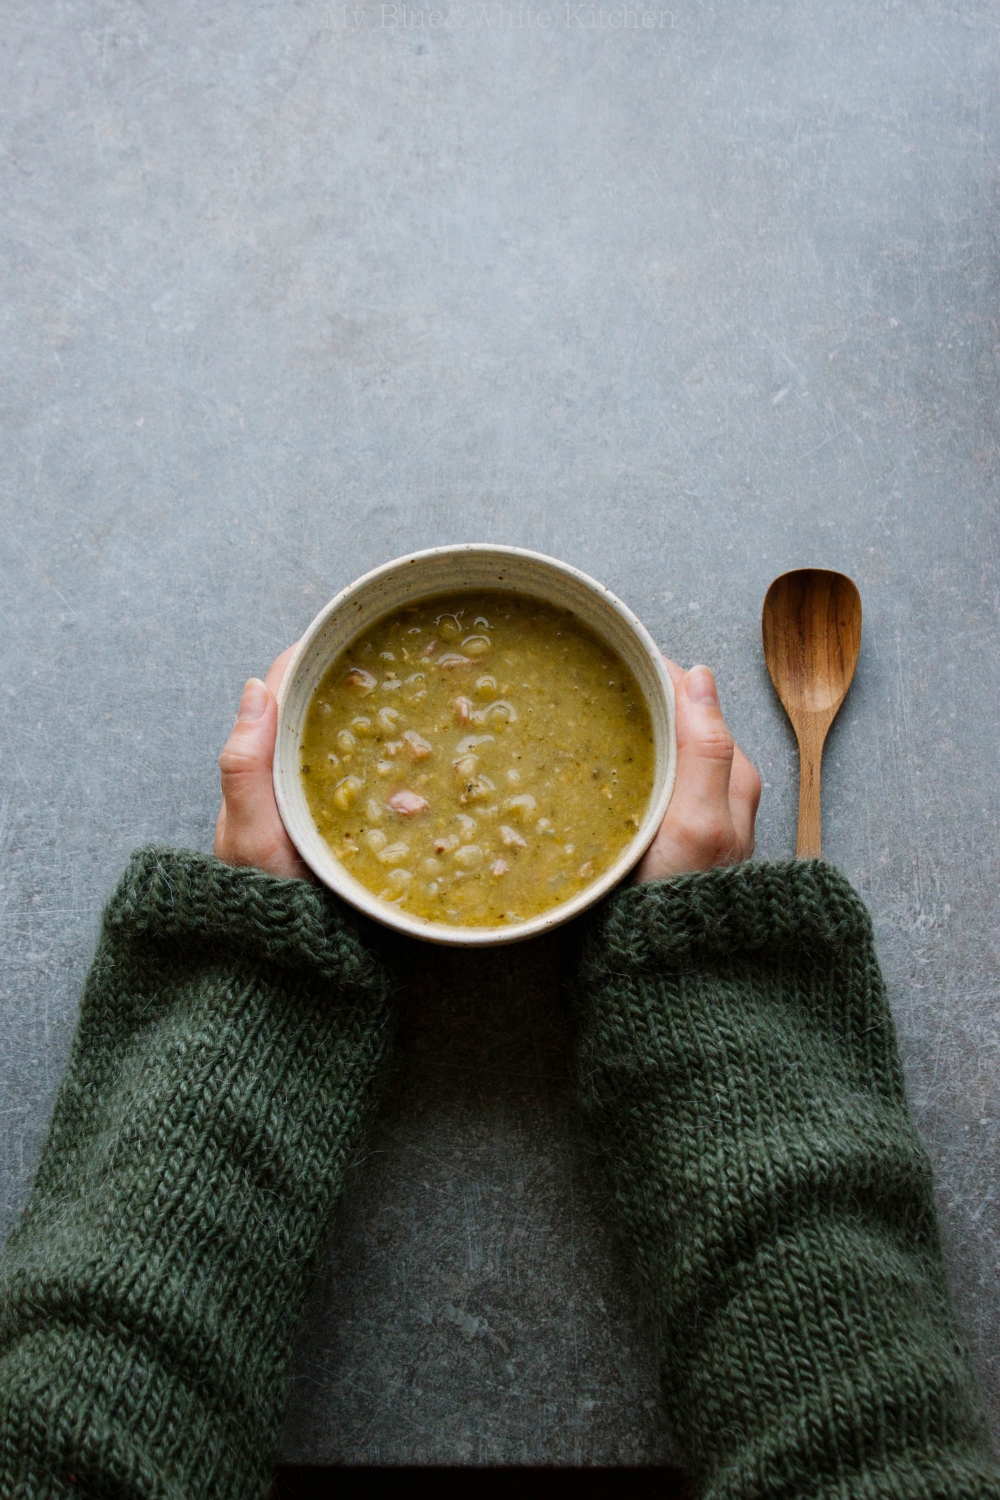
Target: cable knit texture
(738,1065)
(229,1045)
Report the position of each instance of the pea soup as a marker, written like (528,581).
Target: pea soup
(477,758)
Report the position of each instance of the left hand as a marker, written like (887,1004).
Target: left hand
(249,830)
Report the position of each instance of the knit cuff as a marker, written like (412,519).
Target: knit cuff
(790,908)
(179,894)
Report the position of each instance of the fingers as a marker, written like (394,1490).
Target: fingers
(699,821)
(246,759)
(713,746)
(710,820)
(277,670)
(704,745)
(249,830)
(744,799)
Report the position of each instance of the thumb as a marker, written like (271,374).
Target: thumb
(704,744)
(697,832)
(245,762)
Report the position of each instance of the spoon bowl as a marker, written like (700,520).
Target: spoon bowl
(811,625)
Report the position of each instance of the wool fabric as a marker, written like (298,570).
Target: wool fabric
(229,1046)
(737,1063)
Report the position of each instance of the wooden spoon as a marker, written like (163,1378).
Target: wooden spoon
(812,635)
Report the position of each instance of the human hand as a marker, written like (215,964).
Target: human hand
(249,830)
(710,819)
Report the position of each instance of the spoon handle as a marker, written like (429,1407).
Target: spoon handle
(811,739)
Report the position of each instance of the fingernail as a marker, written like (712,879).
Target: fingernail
(254,700)
(701,687)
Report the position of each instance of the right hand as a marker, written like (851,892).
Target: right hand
(710,820)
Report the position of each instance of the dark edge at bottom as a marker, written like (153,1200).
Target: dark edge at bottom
(308,1482)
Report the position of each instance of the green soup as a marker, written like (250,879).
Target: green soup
(478,758)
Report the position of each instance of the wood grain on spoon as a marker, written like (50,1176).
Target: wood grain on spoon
(812,634)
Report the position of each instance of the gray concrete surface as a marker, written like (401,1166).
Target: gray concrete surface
(289,290)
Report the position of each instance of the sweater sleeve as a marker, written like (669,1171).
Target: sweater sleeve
(738,1065)
(228,1048)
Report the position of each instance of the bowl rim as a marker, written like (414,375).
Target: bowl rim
(335,877)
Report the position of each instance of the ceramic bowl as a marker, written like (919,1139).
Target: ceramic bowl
(444,570)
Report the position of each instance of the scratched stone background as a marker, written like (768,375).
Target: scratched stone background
(289,290)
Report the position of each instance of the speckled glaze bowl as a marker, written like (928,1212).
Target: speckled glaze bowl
(440,570)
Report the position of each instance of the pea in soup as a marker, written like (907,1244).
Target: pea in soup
(477,758)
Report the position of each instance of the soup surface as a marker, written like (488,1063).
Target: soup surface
(477,758)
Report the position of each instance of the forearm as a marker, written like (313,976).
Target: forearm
(230,1042)
(738,1063)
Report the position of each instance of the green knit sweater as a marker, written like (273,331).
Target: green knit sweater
(738,1067)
